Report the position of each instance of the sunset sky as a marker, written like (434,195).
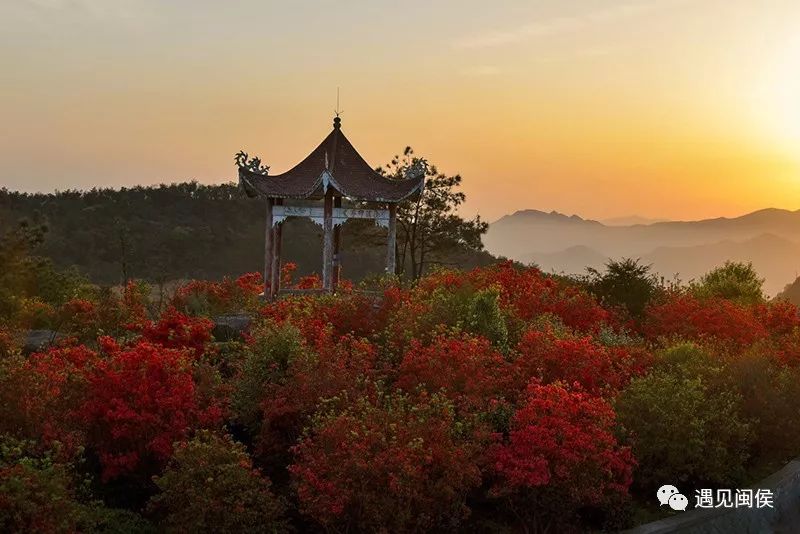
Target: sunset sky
(662,108)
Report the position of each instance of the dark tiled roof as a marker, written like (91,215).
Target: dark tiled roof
(334,163)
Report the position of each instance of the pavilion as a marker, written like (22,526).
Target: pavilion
(331,172)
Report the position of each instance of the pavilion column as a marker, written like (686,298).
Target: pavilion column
(275,270)
(327,242)
(268,252)
(337,241)
(391,246)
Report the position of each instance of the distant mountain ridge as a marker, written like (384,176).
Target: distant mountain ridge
(569,243)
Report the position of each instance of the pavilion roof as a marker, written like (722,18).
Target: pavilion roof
(334,163)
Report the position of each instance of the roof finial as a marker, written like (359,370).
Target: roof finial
(337,122)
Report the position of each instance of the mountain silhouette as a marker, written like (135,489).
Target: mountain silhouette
(770,238)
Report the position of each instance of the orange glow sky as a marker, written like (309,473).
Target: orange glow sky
(661,108)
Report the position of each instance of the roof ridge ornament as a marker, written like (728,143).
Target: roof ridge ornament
(252,165)
(419,167)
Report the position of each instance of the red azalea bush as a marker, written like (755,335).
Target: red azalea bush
(216,298)
(683,315)
(561,454)
(385,463)
(467,370)
(498,398)
(333,366)
(175,330)
(140,400)
(546,356)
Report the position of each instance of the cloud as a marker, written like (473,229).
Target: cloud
(559,25)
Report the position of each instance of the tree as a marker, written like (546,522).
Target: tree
(734,281)
(429,227)
(625,283)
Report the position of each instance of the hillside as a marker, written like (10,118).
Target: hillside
(183,231)
(564,243)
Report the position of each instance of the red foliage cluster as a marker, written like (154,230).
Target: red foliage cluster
(469,370)
(139,401)
(577,359)
(385,464)
(219,296)
(336,365)
(563,439)
(175,330)
(688,317)
(529,293)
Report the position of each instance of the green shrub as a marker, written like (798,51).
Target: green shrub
(771,401)
(734,281)
(485,318)
(265,361)
(682,427)
(210,485)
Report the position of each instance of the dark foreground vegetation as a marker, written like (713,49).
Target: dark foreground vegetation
(495,399)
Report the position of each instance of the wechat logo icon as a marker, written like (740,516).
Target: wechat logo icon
(670,496)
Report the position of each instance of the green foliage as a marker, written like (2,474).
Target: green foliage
(36,493)
(626,284)
(41,493)
(211,486)
(771,401)
(485,317)
(429,228)
(194,231)
(25,277)
(265,361)
(734,281)
(684,428)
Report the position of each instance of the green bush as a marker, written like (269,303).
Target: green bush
(625,284)
(734,281)
(265,361)
(771,401)
(211,486)
(684,427)
(485,318)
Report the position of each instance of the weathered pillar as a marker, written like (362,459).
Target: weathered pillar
(327,242)
(391,246)
(277,234)
(337,241)
(268,252)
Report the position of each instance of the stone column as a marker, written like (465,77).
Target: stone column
(337,241)
(277,234)
(327,243)
(268,252)
(391,246)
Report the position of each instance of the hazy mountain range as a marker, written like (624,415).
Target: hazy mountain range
(769,238)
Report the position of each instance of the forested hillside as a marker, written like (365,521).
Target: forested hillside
(185,230)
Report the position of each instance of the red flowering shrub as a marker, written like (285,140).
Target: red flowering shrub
(39,395)
(175,330)
(528,293)
(469,371)
(779,318)
(331,367)
(560,454)
(385,464)
(216,298)
(577,359)
(687,317)
(140,400)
